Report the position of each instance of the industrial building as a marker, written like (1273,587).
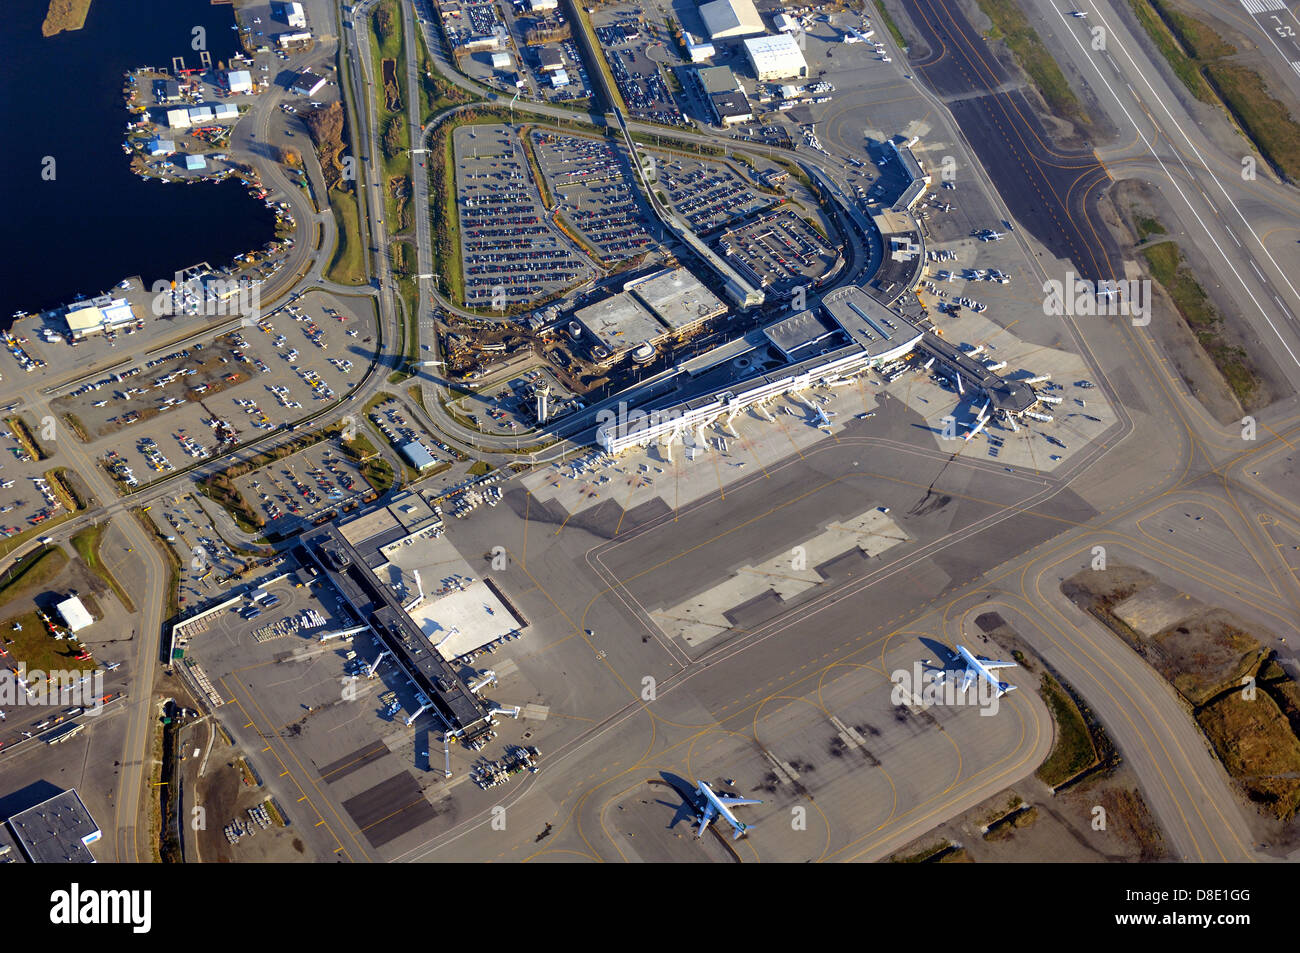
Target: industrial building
(57,831)
(502,61)
(697,51)
(716,79)
(97,315)
(160,147)
(285,40)
(549,59)
(776,57)
(731,108)
(559,79)
(731,18)
(295,16)
(74,614)
(167,91)
(239,81)
(195,163)
(306,83)
(178,119)
(417,455)
(540,6)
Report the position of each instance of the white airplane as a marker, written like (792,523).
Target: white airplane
(852,36)
(714,806)
(823,417)
(977,667)
(1079,14)
(991,236)
(6,484)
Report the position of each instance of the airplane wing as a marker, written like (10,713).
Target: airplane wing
(706,819)
(967,679)
(992,664)
(733,801)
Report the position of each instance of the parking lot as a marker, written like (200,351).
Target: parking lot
(708,195)
(299,489)
(593,181)
(629,43)
(28,500)
(181,405)
(511,407)
(780,250)
(392,420)
(207,560)
(500,208)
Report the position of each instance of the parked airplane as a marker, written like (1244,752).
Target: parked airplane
(977,667)
(715,806)
(989,235)
(823,417)
(1079,14)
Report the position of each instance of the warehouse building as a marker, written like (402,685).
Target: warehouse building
(731,108)
(417,455)
(698,51)
(239,81)
(776,57)
(101,314)
(57,831)
(731,18)
(306,83)
(178,119)
(160,147)
(294,16)
(74,614)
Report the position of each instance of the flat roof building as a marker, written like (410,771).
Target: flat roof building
(57,831)
(620,323)
(801,335)
(559,79)
(868,323)
(550,59)
(239,81)
(292,39)
(501,61)
(776,57)
(91,317)
(160,147)
(294,16)
(195,163)
(731,108)
(417,455)
(306,83)
(677,298)
(717,79)
(178,118)
(74,614)
(698,51)
(730,18)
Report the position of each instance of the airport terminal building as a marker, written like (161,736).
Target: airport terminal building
(852,332)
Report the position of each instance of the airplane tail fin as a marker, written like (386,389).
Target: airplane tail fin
(1004,687)
(741,831)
